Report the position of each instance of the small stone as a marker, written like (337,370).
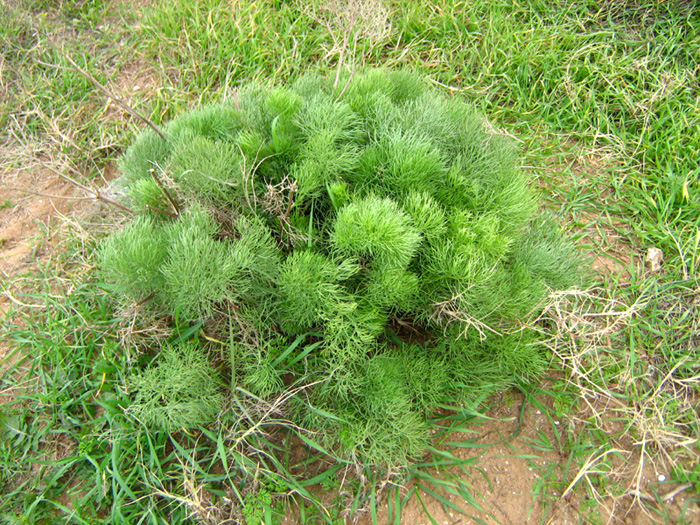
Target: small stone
(654,258)
(662,477)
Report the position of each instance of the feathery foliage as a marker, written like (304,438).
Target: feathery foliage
(132,258)
(180,391)
(376,221)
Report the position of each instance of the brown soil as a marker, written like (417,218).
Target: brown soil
(33,202)
(513,481)
(521,474)
(611,254)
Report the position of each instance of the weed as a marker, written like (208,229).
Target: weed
(437,231)
(603,100)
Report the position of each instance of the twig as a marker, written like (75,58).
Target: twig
(341,57)
(6,291)
(272,408)
(641,495)
(403,323)
(96,193)
(348,22)
(145,300)
(234,97)
(675,492)
(342,92)
(170,198)
(451,88)
(131,111)
(666,497)
(48,196)
(162,211)
(587,466)
(291,201)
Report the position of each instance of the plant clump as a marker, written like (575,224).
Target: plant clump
(181,390)
(372,238)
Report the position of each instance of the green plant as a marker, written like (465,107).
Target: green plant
(181,391)
(382,220)
(256,506)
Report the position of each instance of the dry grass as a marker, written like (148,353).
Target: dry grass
(651,410)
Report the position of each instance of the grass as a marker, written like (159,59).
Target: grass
(604,101)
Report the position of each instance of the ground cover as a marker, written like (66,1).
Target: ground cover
(603,101)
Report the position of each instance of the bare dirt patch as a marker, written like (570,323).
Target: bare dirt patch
(33,198)
(613,253)
(137,76)
(523,467)
(514,473)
